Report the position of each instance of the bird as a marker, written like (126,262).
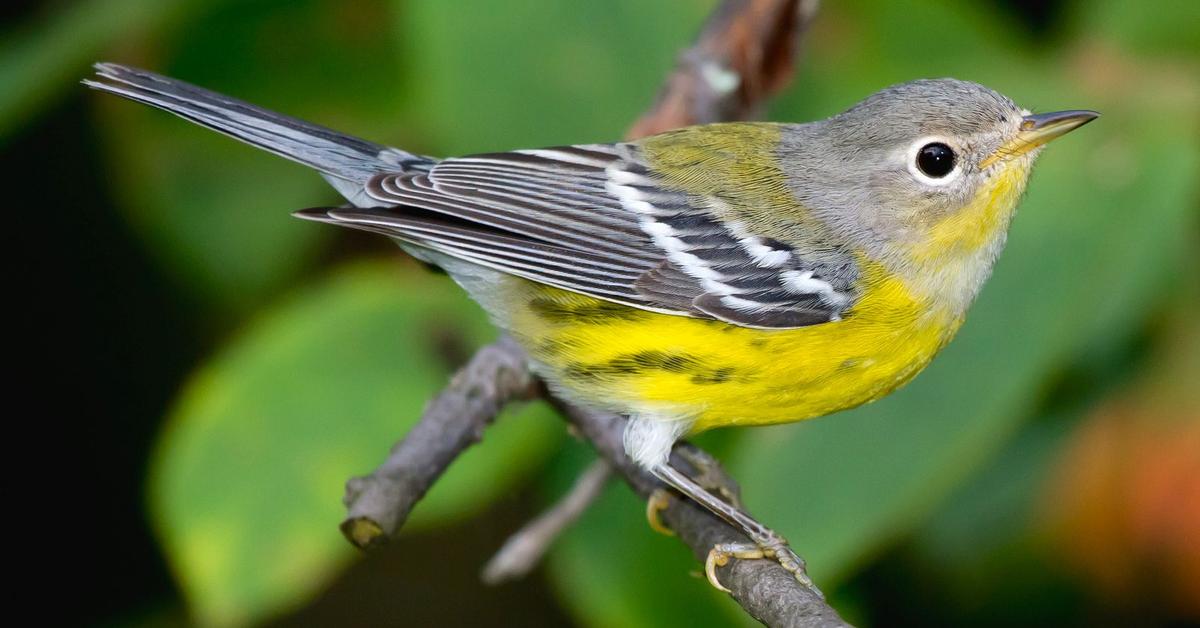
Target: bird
(729,274)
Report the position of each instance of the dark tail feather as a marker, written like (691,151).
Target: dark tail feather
(328,151)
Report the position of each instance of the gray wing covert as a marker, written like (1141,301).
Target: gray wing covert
(593,219)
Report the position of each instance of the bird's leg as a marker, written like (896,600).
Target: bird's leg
(707,475)
(766,543)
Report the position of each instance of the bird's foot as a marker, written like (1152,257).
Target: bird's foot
(774,548)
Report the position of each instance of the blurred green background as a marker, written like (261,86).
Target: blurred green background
(217,369)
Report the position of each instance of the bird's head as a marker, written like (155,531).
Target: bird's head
(924,175)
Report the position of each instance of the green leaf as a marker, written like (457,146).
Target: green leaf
(611,569)
(216,211)
(1168,27)
(248,476)
(993,511)
(504,75)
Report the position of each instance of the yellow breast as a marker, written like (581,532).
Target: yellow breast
(718,374)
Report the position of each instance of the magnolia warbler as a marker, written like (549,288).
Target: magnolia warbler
(726,274)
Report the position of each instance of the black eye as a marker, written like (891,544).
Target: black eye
(935,160)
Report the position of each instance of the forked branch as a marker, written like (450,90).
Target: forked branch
(744,53)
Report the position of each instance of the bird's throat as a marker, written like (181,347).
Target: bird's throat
(951,264)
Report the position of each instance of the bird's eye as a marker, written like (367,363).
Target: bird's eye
(935,160)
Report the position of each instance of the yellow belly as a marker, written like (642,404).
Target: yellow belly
(718,374)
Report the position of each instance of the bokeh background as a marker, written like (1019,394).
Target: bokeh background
(208,371)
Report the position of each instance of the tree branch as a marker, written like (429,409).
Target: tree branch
(378,504)
(524,549)
(744,53)
(762,587)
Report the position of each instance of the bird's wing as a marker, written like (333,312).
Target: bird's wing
(595,219)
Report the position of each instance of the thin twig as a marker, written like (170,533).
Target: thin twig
(744,53)
(525,548)
(767,591)
(379,503)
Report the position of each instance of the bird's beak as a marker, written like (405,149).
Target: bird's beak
(1039,128)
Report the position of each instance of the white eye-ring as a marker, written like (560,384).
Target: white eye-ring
(934,161)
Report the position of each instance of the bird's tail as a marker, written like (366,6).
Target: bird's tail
(337,156)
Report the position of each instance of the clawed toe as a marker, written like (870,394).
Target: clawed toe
(778,550)
(765,542)
(658,502)
(720,554)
